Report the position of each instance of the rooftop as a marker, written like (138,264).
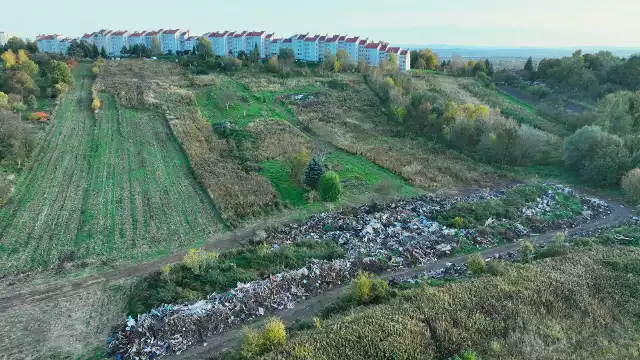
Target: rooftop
(352,39)
(374,45)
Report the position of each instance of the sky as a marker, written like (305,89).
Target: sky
(494,23)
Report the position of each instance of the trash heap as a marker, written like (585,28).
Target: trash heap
(173,328)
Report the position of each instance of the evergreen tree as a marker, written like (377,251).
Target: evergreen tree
(314,172)
(528,66)
(103,53)
(489,66)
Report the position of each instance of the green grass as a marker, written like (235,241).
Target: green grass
(289,191)
(181,284)
(104,187)
(516,101)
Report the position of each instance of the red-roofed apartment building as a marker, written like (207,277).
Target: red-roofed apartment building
(170,41)
(404,62)
(257,39)
(117,40)
(351,47)
(310,49)
(136,38)
(219,42)
(298,45)
(49,43)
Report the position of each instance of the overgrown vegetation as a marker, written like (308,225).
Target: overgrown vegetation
(202,273)
(534,304)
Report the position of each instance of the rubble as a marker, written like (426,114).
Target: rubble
(173,328)
(377,237)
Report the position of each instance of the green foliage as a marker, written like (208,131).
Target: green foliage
(631,184)
(601,158)
(204,47)
(313,172)
(296,163)
(526,251)
(368,289)
(477,265)
(202,273)
(496,268)
(257,342)
(4,100)
(329,187)
(60,73)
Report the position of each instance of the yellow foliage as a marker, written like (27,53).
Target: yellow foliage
(362,287)
(9,59)
(165,270)
(22,56)
(4,100)
(95,104)
(197,259)
(270,337)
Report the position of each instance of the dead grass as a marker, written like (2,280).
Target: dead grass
(156,85)
(277,139)
(353,119)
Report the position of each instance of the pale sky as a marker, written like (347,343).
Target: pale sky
(509,23)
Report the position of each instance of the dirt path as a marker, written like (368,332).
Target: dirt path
(310,307)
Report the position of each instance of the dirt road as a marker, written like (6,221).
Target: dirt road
(310,307)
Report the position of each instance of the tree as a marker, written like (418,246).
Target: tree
(329,187)
(420,64)
(32,102)
(600,157)
(9,59)
(242,55)
(27,65)
(19,82)
(156,48)
(254,55)
(60,73)
(226,98)
(4,101)
(14,44)
(204,47)
(314,172)
(297,163)
(489,65)
(18,107)
(616,113)
(528,66)
(477,265)
(31,46)
(273,66)
(631,184)
(103,53)
(286,56)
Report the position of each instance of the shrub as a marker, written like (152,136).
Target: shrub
(258,342)
(95,104)
(314,172)
(329,187)
(40,116)
(600,157)
(32,102)
(477,265)
(4,100)
(631,184)
(273,66)
(369,289)
(296,164)
(495,268)
(526,251)
(197,259)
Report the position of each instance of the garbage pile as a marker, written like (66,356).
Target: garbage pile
(171,329)
(403,232)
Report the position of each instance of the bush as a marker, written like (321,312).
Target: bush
(257,342)
(95,104)
(601,158)
(526,251)
(314,172)
(40,116)
(329,187)
(477,265)
(495,268)
(631,184)
(296,164)
(197,259)
(368,289)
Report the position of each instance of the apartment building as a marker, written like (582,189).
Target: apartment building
(305,47)
(117,41)
(4,37)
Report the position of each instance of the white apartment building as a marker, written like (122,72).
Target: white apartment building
(310,49)
(383,53)
(298,45)
(351,47)
(101,39)
(372,54)
(219,43)
(136,38)
(190,43)
(342,42)
(404,62)
(362,44)
(182,38)
(331,45)
(321,47)
(170,41)
(239,43)
(4,37)
(148,38)
(117,41)
(63,45)
(49,43)
(256,39)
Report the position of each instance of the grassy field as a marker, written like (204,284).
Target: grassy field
(109,186)
(579,305)
(262,105)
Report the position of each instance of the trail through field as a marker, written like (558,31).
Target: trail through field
(104,187)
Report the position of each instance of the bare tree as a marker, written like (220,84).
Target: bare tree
(226,98)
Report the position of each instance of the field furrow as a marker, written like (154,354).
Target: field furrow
(114,185)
